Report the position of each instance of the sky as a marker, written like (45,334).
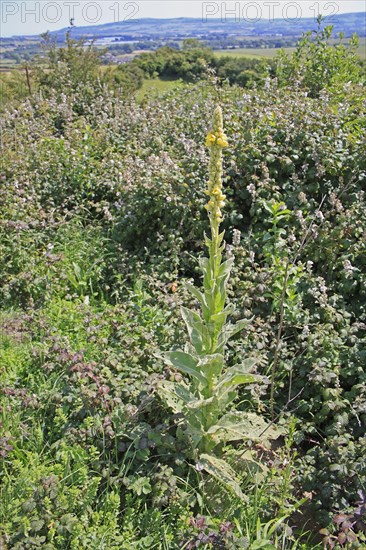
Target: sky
(26,17)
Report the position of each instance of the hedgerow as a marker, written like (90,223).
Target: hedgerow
(103,217)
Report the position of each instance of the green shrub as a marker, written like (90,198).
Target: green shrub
(317,64)
(117,189)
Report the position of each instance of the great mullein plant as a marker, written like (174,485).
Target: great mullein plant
(205,398)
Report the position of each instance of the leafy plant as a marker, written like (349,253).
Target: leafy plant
(283,274)
(351,527)
(81,168)
(205,399)
(317,64)
(68,67)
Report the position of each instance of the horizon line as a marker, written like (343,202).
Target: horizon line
(216,19)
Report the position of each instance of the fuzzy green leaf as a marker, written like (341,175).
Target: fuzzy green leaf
(221,236)
(230,330)
(225,399)
(225,268)
(227,311)
(222,472)
(248,460)
(195,292)
(207,240)
(202,403)
(239,325)
(176,396)
(185,363)
(240,426)
(235,376)
(197,330)
(201,298)
(213,364)
(203,263)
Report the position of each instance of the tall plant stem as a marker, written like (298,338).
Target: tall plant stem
(215,141)
(278,340)
(214,250)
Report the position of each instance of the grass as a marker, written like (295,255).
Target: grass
(251,52)
(7,64)
(156,86)
(362,47)
(269,53)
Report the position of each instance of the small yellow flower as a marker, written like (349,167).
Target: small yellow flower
(222,142)
(210,139)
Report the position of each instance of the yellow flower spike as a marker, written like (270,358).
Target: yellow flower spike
(216,140)
(218,122)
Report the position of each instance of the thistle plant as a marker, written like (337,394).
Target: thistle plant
(206,395)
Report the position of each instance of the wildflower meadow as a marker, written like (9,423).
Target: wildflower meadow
(183,305)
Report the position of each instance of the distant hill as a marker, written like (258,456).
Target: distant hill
(184,27)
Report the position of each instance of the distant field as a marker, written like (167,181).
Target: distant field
(362,47)
(271,52)
(156,86)
(7,65)
(251,52)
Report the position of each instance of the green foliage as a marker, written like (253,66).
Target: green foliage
(243,71)
(90,294)
(67,68)
(194,62)
(318,65)
(189,64)
(65,261)
(13,84)
(212,388)
(128,78)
